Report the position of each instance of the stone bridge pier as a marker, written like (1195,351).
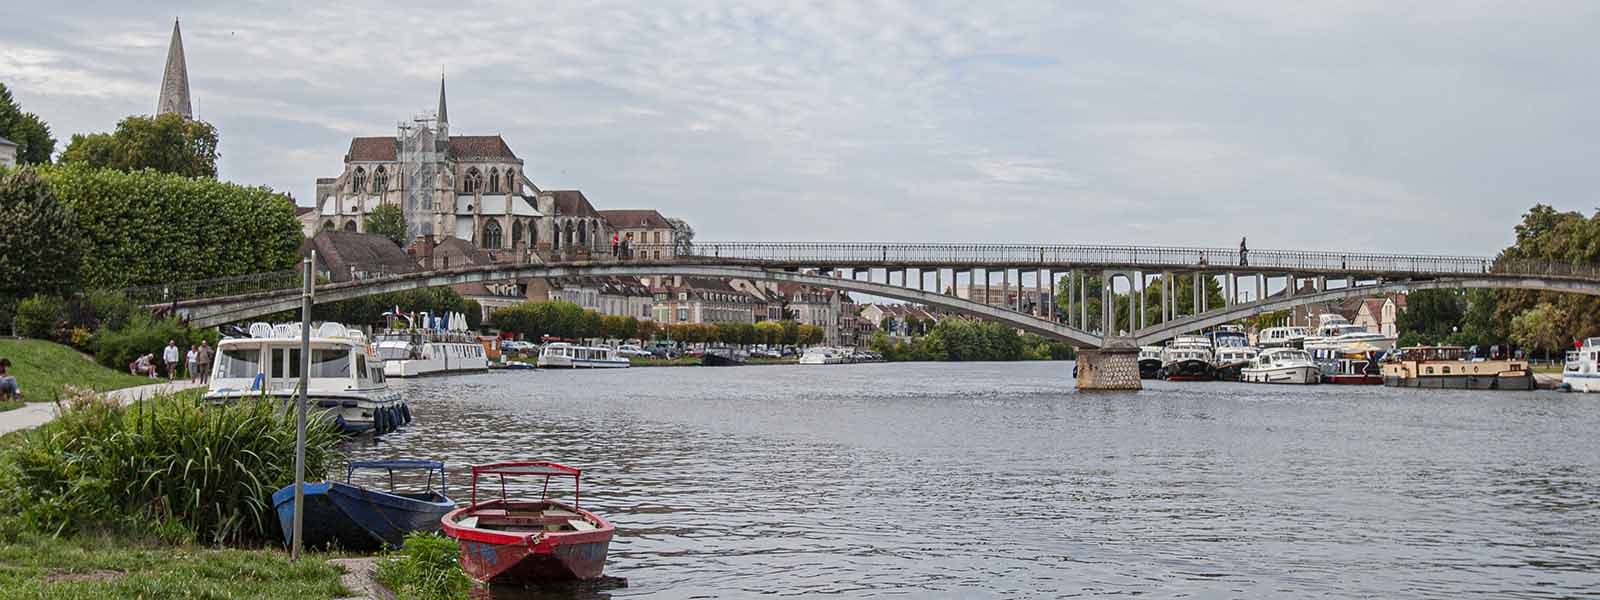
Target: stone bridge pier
(1115,366)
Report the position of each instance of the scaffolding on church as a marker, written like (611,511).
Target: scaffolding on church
(419,161)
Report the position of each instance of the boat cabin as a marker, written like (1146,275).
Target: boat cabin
(269,362)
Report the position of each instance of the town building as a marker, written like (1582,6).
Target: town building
(702,300)
(900,320)
(8,153)
(573,227)
(1033,298)
(616,296)
(346,256)
(1381,314)
(655,237)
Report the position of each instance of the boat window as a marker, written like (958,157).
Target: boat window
(1428,370)
(330,363)
(286,363)
(361,368)
(239,363)
(1446,370)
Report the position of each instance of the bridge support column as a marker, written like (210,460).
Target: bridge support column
(1083,300)
(1005,289)
(1113,367)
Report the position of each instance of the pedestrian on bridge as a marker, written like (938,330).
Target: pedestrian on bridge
(616,246)
(1244,253)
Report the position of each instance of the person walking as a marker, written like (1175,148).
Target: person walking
(1244,254)
(8,384)
(203,360)
(191,359)
(169,357)
(627,246)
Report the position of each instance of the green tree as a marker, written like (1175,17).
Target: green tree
(26,130)
(1433,313)
(791,332)
(769,332)
(388,221)
(167,143)
(146,227)
(41,243)
(1541,328)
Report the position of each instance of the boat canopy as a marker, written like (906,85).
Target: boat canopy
(391,466)
(544,469)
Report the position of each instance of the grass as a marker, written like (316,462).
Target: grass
(112,567)
(43,369)
(681,361)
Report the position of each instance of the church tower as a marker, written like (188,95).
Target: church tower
(175,81)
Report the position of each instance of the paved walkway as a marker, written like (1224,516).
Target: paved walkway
(34,414)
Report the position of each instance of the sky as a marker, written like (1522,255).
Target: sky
(1376,126)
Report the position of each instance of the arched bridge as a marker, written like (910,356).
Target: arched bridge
(960,278)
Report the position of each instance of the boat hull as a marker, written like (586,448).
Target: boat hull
(1149,368)
(1189,370)
(343,516)
(562,362)
(1231,371)
(1507,382)
(356,413)
(1582,382)
(712,359)
(1359,379)
(505,556)
(1297,375)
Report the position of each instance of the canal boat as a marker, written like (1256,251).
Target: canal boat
(1231,351)
(1334,332)
(1281,337)
(1188,358)
(1339,367)
(723,357)
(1582,371)
(1281,365)
(345,516)
(823,355)
(1449,367)
(439,346)
(562,355)
(528,540)
(346,383)
(1149,362)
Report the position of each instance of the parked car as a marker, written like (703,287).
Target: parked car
(630,351)
(664,352)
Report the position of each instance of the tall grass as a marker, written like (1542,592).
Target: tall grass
(425,569)
(174,465)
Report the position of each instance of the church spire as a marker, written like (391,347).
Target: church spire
(175,81)
(444,116)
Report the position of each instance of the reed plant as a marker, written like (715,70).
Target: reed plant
(174,466)
(426,568)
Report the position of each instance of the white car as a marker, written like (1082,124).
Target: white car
(630,350)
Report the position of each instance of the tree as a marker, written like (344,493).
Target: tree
(388,221)
(769,332)
(41,245)
(648,330)
(167,143)
(1541,328)
(791,333)
(27,130)
(1434,313)
(146,227)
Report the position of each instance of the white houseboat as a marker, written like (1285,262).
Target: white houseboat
(1149,362)
(345,383)
(1334,332)
(1232,350)
(821,355)
(1582,373)
(562,355)
(1188,358)
(441,345)
(1282,365)
(1281,337)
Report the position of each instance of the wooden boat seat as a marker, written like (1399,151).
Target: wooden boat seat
(581,525)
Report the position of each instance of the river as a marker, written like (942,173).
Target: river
(972,480)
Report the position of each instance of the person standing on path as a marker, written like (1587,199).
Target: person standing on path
(191,359)
(169,356)
(8,384)
(1244,253)
(203,360)
(616,245)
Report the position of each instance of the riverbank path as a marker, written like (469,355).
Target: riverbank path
(34,414)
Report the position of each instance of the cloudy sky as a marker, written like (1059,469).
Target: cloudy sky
(1373,125)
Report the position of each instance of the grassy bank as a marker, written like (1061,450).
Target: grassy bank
(43,369)
(681,361)
(33,566)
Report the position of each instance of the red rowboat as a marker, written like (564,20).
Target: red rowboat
(542,539)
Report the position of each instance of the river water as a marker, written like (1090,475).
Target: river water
(971,480)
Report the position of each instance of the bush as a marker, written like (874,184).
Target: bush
(426,569)
(41,244)
(145,227)
(173,465)
(40,317)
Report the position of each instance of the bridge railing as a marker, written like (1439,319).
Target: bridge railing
(981,255)
(162,293)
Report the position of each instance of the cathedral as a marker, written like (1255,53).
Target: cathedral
(470,187)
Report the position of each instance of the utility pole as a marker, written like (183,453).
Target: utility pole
(300,407)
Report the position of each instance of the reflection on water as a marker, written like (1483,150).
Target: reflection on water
(998,480)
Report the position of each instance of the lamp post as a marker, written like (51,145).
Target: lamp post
(300,407)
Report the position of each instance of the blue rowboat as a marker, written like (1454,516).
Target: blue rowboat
(346,516)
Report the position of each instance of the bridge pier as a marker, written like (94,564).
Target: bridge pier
(1112,367)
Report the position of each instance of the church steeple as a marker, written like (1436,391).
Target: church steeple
(444,116)
(175,81)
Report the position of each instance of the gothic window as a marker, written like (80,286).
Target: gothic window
(327,225)
(358,180)
(350,226)
(516,233)
(380,181)
(494,180)
(511,181)
(556,243)
(533,233)
(594,231)
(583,235)
(491,234)
(472,182)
